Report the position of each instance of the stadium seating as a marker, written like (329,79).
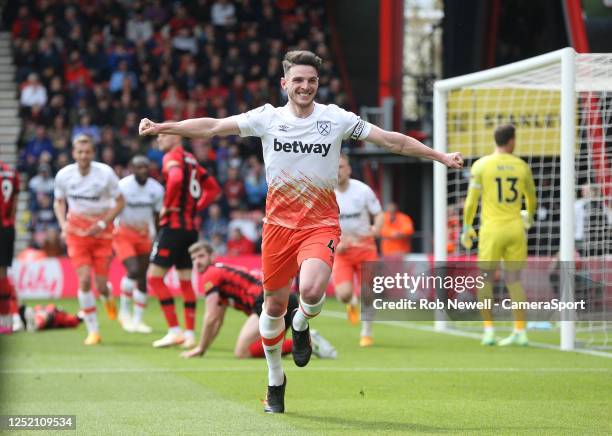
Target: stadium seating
(99,70)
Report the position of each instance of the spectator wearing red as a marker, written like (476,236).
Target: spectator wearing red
(25,26)
(238,244)
(233,188)
(172,99)
(181,20)
(217,89)
(75,71)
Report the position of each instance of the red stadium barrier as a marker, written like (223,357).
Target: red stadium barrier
(53,278)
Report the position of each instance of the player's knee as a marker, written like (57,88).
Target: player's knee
(344,292)
(275,308)
(84,283)
(241,353)
(102,285)
(310,293)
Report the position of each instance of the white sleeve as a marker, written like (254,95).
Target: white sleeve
(112,184)
(372,202)
(353,127)
(254,122)
(159,202)
(59,189)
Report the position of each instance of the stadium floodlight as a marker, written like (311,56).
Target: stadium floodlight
(561,104)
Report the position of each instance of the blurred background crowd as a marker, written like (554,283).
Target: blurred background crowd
(98,67)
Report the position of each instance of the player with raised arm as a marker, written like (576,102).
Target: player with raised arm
(235,286)
(189,189)
(503,180)
(301,147)
(361,219)
(132,241)
(9,183)
(89,192)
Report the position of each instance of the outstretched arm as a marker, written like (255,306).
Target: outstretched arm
(60,208)
(191,128)
(213,319)
(405,145)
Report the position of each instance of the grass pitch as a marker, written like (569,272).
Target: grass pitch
(411,381)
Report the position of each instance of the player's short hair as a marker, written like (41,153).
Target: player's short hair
(345,157)
(139,159)
(82,138)
(503,134)
(201,245)
(301,57)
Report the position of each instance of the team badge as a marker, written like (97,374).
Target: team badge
(324,127)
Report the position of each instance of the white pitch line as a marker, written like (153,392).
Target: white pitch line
(49,371)
(463,334)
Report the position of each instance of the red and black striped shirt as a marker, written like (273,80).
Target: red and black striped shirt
(9,182)
(189,189)
(236,285)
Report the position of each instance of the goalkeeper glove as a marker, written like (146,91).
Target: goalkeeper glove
(527,219)
(468,235)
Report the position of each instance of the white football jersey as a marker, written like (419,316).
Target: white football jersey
(301,156)
(92,194)
(141,201)
(356,205)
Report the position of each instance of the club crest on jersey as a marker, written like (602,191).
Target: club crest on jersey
(324,127)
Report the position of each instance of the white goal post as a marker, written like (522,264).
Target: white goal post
(563,76)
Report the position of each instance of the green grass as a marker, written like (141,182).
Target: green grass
(411,381)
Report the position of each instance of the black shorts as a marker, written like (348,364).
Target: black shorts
(7,246)
(171,247)
(293,304)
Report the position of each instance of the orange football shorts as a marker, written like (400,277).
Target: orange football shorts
(284,250)
(94,251)
(130,242)
(347,265)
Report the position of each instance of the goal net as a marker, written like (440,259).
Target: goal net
(561,105)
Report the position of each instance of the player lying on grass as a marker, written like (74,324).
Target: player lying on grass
(503,180)
(226,285)
(49,316)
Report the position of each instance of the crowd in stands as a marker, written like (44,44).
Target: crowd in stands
(99,67)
